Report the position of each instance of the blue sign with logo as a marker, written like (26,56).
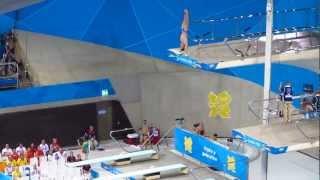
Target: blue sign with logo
(211,153)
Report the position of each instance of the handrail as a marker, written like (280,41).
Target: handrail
(144,143)
(161,139)
(258,103)
(252,15)
(256,35)
(303,133)
(165,134)
(252,109)
(147,140)
(113,138)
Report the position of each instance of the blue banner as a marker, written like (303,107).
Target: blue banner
(211,153)
(56,93)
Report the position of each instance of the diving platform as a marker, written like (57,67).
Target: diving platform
(229,62)
(300,48)
(280,137)
(120,159)
(154,173)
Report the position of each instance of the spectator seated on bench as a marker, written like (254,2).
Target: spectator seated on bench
(6,151)
(71,157)
(89,134)
(54,146)
(44,147)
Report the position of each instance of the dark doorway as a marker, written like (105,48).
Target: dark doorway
(65,123)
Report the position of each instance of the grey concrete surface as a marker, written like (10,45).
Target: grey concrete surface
(147,88)
(12,5)
(57,60)
(166,97)
(54,60)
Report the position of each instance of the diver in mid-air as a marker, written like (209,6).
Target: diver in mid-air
(184,32)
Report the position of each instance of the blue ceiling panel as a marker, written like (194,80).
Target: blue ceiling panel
(156,18)
(114,25)
(61,18)
(151,27)
(123,24)
(7,23)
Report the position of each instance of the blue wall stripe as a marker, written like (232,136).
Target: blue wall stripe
(55,93)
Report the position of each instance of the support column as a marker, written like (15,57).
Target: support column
(264,165)
(267,64)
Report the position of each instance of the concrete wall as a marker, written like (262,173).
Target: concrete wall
(53,60)
(147,88)
(166,97)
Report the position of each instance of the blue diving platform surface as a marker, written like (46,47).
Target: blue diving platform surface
(280,137)
(56,93)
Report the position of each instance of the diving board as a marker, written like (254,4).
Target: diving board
(119,159)
(223,62)
(280,137)
(154,173)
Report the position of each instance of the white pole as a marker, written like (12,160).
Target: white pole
(267,64)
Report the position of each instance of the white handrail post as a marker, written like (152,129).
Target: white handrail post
(267,64)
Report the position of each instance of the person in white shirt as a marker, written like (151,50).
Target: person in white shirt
(60,155)
(7,151)
(44,147)
(21,149)
(9,169)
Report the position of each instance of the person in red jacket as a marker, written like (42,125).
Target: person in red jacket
(154,134)
(14,156)
(38,153)
(29,154)
(30,151)
(33,148)
(54,146)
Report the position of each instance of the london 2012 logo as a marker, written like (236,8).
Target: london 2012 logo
(219,104)
(188,144)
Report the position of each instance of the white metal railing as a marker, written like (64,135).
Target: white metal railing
(117,142)
(274,108)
